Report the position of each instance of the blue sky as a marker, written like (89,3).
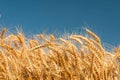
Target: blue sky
(37,16)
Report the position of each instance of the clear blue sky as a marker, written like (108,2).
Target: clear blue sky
(36,16)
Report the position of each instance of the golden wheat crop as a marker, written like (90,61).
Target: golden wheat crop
(49,58)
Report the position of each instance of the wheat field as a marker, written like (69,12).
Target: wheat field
(46,57)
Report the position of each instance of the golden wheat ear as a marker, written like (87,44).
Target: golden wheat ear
(117,53)
(96,38)
(3,33)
